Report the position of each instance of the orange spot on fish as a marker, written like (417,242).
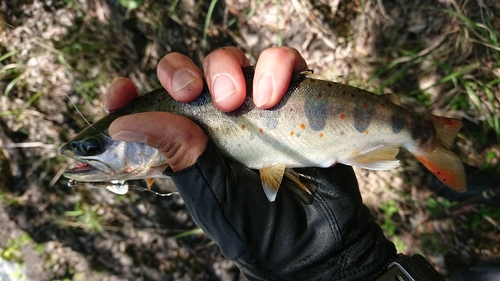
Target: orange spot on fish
(243,127)
(321,135)
(319,96)
(292,133)
(261,131)
(365,105)
(342,116)
(367,132)
(302,126)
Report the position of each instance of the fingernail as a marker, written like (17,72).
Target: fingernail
(129,136)
(264,90)
(223,87)
(181,79)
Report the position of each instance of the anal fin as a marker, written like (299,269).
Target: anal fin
(381,157)
(271,178)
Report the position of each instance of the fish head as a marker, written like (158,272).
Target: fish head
(102,159)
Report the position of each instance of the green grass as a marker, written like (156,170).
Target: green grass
(84,216)
(435,205)
(12,72)
(462,79)
(389,209)
(13,249)
(475,86)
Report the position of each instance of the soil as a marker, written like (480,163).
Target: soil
(57,54)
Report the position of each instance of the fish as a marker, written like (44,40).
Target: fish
(318,123)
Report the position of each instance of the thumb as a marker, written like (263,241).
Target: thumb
(177,137)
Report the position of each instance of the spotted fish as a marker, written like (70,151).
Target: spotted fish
(317,124)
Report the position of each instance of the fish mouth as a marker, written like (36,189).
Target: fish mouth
(85,171)
(80,168)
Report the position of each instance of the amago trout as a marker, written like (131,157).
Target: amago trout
(317,124)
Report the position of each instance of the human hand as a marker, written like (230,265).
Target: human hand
(330,235)
(179,138)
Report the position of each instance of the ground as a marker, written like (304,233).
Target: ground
(59,56)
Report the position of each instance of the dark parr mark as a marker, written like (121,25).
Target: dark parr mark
(397,121)
(269,118)
(424,131)
(315,107)
(363,114)
(416,129)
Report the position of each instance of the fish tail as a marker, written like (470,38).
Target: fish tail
(443,163)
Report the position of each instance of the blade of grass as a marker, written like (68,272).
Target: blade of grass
(7,55)
(277,6)
(207,23)
(195,231)
(11,84)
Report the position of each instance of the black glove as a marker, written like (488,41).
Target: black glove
(331,236)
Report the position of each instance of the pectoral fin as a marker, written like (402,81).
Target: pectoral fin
(380,157)
(271,178)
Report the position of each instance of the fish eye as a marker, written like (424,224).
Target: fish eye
(90,146)
(87,147)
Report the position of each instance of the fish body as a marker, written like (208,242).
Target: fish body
(318,123)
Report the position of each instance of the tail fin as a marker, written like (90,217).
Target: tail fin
(443,163)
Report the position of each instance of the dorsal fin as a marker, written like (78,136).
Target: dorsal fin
(392,98)
(310,74)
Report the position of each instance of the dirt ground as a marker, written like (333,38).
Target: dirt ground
(61,53)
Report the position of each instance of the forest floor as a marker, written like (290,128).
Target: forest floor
(438,56)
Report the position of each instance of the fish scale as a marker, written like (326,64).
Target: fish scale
(317,123)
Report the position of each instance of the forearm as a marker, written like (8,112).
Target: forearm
(286,239)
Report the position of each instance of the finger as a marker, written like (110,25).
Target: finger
(177,137)
(224,77)
(120,93)
(271,82)
(180,77)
